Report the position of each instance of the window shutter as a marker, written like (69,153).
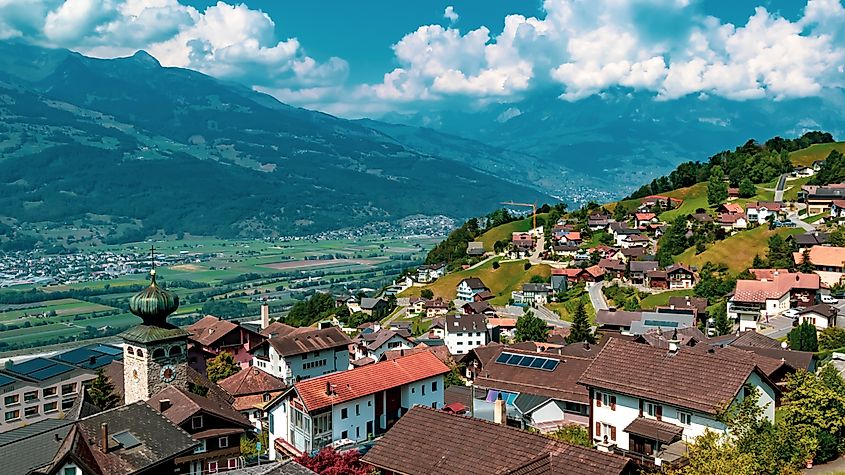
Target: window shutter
(641,408)
(598,399)
(658,411)
(598,430)
(612,403)
(613,433)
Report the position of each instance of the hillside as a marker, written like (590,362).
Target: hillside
(736,252)
(171,149)
(807,156)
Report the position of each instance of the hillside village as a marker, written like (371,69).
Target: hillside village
(678,332)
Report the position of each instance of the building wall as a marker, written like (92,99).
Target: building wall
(461,342)
(358,413)
(553,411)
(42,403)
(142,375)
(427,392)
(303,366)
(815,319)
(396,342)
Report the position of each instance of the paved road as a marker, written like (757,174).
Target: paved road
(483,261)
(779,188)
(550,317)
(596,296)
(801,224)
(777,327)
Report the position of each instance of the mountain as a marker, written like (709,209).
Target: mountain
(170,149)
(622,139)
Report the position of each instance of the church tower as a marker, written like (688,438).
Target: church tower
(156,352)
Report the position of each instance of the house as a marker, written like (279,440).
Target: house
(820,198)
(218,429)
(621,231)
(304,354)
(696,305)
(648,402)
(699,218)
(641,220)
(729,208)
(522,241)
(211,336)
(459,445)
(680,277)
(597,222)
(532,293)
(613,268)
(373,306)
(483,296)
(373,344)
(416,305)
(539,389)
(39,388)
(437,328)
(499,327)
(640,322)
(733,193)
(564,250)
(464,332)
(482,307)
(686,337)
(127,439)
(572,238)
(431,272)
(559,282)
(436,308)
(475,248)
(252,389)
(837,210)
(635,240)
(591,274)
(639,269)
(467,288)
(763,345)
(808,240)
(760,211)
(616,320)
(827,261)
(353,405)
(664,202)
(803,172)
(731,222)
(657,279)
(821,316)
(774,292)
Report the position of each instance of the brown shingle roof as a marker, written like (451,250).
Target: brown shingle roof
(457,445)
(251,381)
(184,404)
(209,329)
(280,329)
(658,430)
(699,381)
(306,341)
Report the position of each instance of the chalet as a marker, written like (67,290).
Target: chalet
(837,210)
(482,307)
(641,220)
(733,193)
(635,240)
(696,305)
(373,306)
(532,293)
(459,445)
(597,222)
(373,344)
(820,198)
(699,218)
(729,208)
(827,261)
(773,293)
(252,389)
(685,337)
(469,287)
(641,322)
(639,269)
(808,240)
(464,332)
(522,240)
(760,211)
(564,250)
(437,328)
(430,272)
(639,409)
(680,277)
(821,316)
(211,335)
(304,354)
(559,282)
(763,345)
(353,405)
(613,269)
(218,429)
(416,305)
(732,222)
(436,308)
(630,254)
(664,202)
(572,238)
(621,231)
(475,248)
(803,172)
(657,279)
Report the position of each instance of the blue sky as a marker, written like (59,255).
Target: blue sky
(368,58)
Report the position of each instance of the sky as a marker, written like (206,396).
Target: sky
(368,58)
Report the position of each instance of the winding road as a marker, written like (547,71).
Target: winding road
(596,296)
(779,188)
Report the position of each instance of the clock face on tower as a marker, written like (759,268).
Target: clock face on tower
(167,373)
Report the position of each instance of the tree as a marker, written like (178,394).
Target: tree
(721,322)
(328,461)
(805,266)
(832,338)
(496,265)
(537,279)
(717,189)
(453,377)
(530,328)
(222,366)
(620,213)
(747,188)
(803,338)
(427,294)
(575,434)
(780,253)
(580,330)
(814,405)
(102,392)
(758,262)
(837,237)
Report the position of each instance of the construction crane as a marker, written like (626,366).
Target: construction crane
(533,210)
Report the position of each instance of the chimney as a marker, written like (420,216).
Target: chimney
(500,414)
(674,343)
(164,405)
(265,315)
(104,438)
(92,360)
(328,388)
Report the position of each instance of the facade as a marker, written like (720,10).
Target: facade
(353,405)
(303,354)
(680,277)
(462,333)
(773,293)
(252,389)
(532,294)
(211,335)
(468,288)
(820,198)
(821,316)
(374,344)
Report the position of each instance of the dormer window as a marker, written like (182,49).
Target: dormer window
(196,422)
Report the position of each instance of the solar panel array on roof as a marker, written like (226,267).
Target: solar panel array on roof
(660,323)
(126,439)
(526,361)
(4,380)
(40,369)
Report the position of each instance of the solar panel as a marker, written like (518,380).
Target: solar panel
(538,363)
(31,366)
(50,371)
(514,360)
(503,358)
(126,439)
(550,365)
(525,361)
(660,323)
(4,380)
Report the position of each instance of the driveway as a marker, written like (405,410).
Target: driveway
(596,296)
(777,327)
(801,224)
(779,188)
(550,317)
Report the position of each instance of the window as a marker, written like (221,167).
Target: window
(12,415)
(129,350)
(212,467)
(49,392)
(434,405)
(196,422)
(158,353)
(139,353)
(344,435)
(606,430)
(30,411)
(652,410)
(175,350)
(232,463)
(357,433)
(223,442)
(413,390)
(51,407)
(67,404)
(344,413)
(69,471)
(460,334)
(357,409)
(12,400)
(434,386)
(30,396)
(200,448)
(422,388)
(685,418)
(69,388)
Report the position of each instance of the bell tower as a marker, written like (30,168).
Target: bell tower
(155,352)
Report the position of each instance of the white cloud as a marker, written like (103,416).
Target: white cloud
(450,14)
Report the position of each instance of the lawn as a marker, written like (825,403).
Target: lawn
(504,231)
(566,310)
(508,277)
(806,157)
(738,251)
(662,299)
(694,197)
(792,187)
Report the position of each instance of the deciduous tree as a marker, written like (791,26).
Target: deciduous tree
(222,366)
(717,189)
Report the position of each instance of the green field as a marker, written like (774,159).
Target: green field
(694,197)
(736,252)
(566,310)
(806,157)
(504,232)
(502,281)
(662,299)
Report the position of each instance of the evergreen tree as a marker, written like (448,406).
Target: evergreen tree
(758,262)
(780,253)
(580,330)
(427,294)
(620,213)
(530,328)
(805,265)
(102,392)
(803,338)
(221,366)
(717,189)
(721,322)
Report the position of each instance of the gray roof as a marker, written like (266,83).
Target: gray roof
(534,287)
(370,303)
(32,446)
(474,283)
(463,323)
(526,403)
(664,321)
(644,266)
(41,369)
(287,468)
(620,318)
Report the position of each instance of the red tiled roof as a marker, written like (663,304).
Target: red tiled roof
(209,329)
(775,285)
(360,382)
(828,256)
(251,381)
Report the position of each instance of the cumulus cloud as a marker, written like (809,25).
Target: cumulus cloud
(450,14)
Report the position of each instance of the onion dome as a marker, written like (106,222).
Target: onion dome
(153,304)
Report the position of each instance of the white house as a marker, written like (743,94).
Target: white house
(353,405)
(769,296)
(374,344)
(640,407)
(532,293)
(462,333)
(760,211)
(821,316)
(467,288)
(303,354)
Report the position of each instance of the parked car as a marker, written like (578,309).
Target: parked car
(829,299)
(791,313)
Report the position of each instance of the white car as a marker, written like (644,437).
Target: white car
(791,313)
(828,299)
